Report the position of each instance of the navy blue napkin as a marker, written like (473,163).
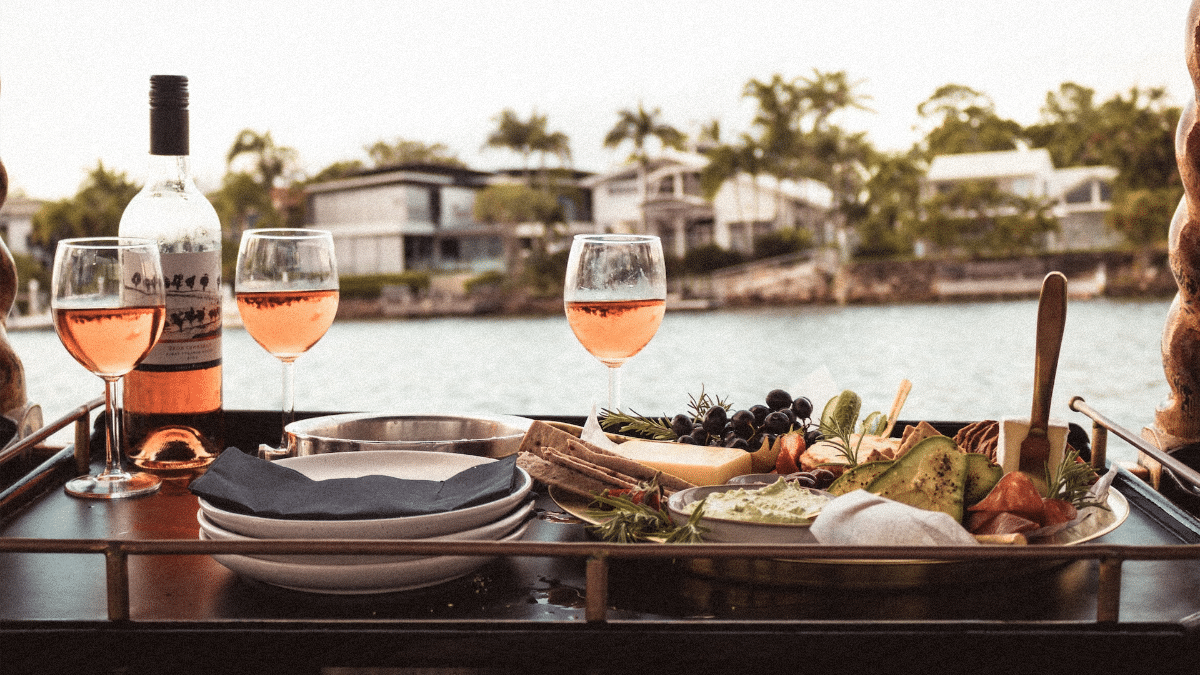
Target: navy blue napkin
(242,483)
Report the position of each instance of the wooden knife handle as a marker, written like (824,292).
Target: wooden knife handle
(1051,320)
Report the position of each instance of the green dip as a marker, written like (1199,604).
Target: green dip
(781,502)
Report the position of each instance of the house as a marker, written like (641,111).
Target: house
(669,201)
(421,217)
(1080,196)
(402,218)
(16,222)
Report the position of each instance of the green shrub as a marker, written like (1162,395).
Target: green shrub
(709,257)
(370,286)
(493,278)
(782,242)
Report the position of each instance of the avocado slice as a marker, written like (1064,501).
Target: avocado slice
(931,476)
(982,476)
(858,477)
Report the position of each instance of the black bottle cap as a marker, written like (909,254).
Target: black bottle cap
(168,115)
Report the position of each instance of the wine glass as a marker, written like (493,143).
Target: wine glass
(615,296)
(109,308)
(287,293)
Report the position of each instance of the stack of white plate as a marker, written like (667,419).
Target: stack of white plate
(504,519)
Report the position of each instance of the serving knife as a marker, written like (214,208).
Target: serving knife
(1051,319)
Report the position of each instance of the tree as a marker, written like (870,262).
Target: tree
(404,151)
(526,137)
(1133,132)
(241,204)
(94,211)
(638,127)
(966,121)
(798,139)
(269,162)
(1071,127)
(1143,216)
(891,206)
(339,169)
(509,205)
(979,218)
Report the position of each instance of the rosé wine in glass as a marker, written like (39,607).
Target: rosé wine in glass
(108,301)
(287,294)
(615,297)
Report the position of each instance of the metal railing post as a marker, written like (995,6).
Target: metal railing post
(596,589)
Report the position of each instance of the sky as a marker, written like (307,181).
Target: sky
(330,78)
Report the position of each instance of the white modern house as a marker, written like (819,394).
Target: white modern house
(1081,196)
(667,198)
(418,217)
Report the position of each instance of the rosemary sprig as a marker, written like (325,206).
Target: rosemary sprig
(840,438)
(690,532)
(1072,479)
(655,428)
(700,406)
(625,521)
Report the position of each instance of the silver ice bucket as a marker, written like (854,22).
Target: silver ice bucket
(480,435)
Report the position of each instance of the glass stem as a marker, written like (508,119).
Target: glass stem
(289,401)
(112,445)
(614,387)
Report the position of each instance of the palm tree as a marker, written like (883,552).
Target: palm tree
(527,137)
(639,126)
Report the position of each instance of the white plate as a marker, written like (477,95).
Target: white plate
(490,532)
(397,463)
(359,579)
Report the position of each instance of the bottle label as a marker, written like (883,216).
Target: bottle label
(191,337)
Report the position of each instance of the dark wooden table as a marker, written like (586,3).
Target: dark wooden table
(522,614)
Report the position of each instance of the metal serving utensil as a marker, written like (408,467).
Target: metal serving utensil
(1051,319)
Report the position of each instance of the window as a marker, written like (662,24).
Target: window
(1079,195)
(418,253)
(739,238)
(1022,187)
(1105,191)
(419,200)
(457,207)
(691,184)
(699,233)
(448,249)
(666,185)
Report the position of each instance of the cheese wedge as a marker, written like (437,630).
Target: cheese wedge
(1013,431)
(700,465)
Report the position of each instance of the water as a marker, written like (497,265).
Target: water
(967,361)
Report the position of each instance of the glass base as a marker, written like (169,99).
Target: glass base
(113,486)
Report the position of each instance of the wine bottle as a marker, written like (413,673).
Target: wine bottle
(172,400)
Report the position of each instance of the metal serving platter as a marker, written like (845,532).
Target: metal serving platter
(881,574)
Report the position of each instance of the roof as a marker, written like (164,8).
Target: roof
(804,189)
(438,174)
(19,206)
(971,165)
(1064,180)
(628,170)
